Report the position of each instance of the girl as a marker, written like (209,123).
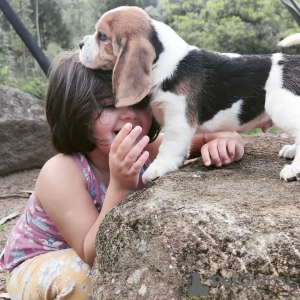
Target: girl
(103,151)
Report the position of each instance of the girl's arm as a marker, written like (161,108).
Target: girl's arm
(215,148)
(62,191)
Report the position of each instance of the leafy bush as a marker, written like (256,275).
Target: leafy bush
(35,86)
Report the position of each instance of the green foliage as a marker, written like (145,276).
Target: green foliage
(110,4)
(34,86)
(52,51)
(2,229)
(240,26)
(52,26)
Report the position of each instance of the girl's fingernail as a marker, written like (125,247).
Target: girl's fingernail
(137,128)
(127,125)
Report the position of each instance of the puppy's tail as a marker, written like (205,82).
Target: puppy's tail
(293,39)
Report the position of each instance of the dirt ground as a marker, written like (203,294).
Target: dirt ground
(14,193)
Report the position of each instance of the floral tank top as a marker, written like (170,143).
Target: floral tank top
(35,233)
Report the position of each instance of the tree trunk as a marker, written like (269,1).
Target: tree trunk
(23,45)
(37,23)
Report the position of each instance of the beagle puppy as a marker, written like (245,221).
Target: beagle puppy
(194,90)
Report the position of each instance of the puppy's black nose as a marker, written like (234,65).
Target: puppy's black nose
(81,45)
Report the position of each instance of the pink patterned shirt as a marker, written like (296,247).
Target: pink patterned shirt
(35,233)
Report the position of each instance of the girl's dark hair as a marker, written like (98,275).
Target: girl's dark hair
(74,94)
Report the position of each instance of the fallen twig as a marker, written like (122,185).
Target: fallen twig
(12,196)
(9,217)
(27,192)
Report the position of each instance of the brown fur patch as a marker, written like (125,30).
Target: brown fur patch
(132,77)
(128,52)
(185,87)
(122,28)
(128,22)
(109,49)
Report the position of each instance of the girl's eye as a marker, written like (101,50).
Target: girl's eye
(102,36)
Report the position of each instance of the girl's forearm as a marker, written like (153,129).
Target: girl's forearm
(197,142)
(222,135)
(112,198)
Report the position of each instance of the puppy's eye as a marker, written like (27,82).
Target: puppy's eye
(102,36)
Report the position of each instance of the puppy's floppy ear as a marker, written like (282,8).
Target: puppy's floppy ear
(132,74)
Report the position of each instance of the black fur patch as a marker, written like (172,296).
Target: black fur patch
(291,73)
(216,82)
(156,43)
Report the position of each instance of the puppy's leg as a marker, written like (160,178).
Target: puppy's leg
(292,172)
(178,135)
(288,151)
(284,109)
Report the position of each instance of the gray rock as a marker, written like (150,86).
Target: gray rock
(199,222)
(24,133)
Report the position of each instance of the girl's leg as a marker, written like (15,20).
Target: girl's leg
(54,275)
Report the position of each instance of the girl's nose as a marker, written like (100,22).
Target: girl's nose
(128,113)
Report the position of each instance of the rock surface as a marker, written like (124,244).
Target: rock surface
(24,133)
(199,222)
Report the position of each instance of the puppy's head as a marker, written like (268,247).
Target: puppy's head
(122,43)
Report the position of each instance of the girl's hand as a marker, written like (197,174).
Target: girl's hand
(125,161)
(222,150)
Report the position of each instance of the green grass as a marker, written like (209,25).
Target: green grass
(258,131)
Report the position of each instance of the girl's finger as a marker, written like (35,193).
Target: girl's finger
(136,167)
(128,142)
(231,148)
(214,153)
(120,137)
(133,154)
(205,155)
(222,149)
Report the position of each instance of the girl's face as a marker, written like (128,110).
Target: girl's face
(112,120)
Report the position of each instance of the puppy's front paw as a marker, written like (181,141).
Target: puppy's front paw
(160,167)
(288,151)
(152,173)
(290,172)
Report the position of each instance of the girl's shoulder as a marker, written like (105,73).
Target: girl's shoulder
(59,170)
(60,163)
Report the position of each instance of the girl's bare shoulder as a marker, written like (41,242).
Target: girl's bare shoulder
(59,172)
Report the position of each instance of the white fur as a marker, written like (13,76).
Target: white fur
(178,135)
(89,51)
(283,107)
(290,40)
(227,116)
(232,55)
(167,63)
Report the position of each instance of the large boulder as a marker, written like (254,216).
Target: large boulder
(24,133)
(213,233)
